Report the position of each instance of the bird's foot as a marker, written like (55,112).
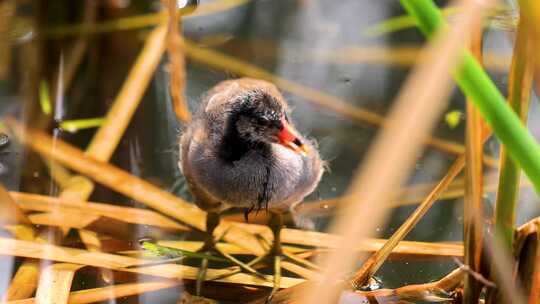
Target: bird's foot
(275,254)
(276,257)
(210,247)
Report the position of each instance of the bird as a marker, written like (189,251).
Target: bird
(241,150)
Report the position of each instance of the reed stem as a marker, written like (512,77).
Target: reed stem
(477,85)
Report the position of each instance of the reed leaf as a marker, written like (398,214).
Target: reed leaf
(121,263)
(75,125)
(171,253)
(177,71)
(477,85)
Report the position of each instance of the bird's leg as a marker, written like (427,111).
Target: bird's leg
(275,223)
(212,221)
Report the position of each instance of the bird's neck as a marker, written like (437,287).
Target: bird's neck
(234,147)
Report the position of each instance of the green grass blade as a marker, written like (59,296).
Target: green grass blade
(477,85)
(169,252)
(501,17)
(75,125)
(45,97)
(399,23)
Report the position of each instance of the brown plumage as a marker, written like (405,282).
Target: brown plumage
(232,156)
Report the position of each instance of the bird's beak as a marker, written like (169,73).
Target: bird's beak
(288,137)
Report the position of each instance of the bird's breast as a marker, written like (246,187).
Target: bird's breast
(256,178)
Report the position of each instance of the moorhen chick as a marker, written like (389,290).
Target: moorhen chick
(241,150)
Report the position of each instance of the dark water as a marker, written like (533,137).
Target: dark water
(282,37)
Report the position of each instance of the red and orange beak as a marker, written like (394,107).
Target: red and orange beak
(288,137)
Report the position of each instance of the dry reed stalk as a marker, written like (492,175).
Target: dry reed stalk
(414,114)
(62,275)
(7,12)
(371,265)
(530,13)
(117,262)
(437,291)
(77,188)
(54,282)
(25,282)
(96,226)
(528,270)
(327,240)
(58,174)
(177,69)
(131,186)
(418,250)
(119,115)
(504,269)
(527,250)
(318,98)
(455,190)
(534,295)
(519,90)
(104,293)
(140,21)
(411,195)
(473,229)
(523,231)
(63,254)
(10,214)
(519,95)
(35,202)
(125,183)
(103,145)
(56,219)
(107,137)
(403,56)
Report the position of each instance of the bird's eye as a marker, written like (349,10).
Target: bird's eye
(264,121)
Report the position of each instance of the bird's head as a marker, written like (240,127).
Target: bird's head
(261,117)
